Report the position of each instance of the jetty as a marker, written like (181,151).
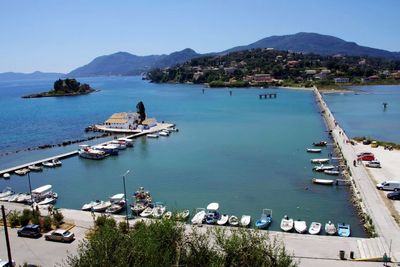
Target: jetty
(370,200)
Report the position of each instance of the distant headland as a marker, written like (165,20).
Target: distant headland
(66,87)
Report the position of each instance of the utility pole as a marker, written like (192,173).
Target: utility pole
(6,233)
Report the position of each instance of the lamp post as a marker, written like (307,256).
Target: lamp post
(30,191)
(126,203)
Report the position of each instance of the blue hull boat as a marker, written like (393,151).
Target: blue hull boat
(343,230)
(265,220)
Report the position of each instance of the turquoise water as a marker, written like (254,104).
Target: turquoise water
(245,153)
(362,114)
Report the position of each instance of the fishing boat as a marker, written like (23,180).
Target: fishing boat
(167,215)
(223,219)
(43,192)
(110,149)
(147,212)
(265,220)
(314,150)
(245,220)
(48,164)
(322,168)
(23,171)
(300,226)
(199,217)
(286,224)
(56,162)
(35,168)
(212,214)
(315,228)
(330,228)
(158,210)
(320,143)
(102,206)
(332,172)
(320,161)
(343,229)
(163,133)
(233,220)
(47,201)
(152,136)
(90,205)
(129,142)
(88,152)
(183,215)
(323,181)
(116,207)
(6,192)
(6,176)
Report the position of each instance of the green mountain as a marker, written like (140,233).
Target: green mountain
(29,76)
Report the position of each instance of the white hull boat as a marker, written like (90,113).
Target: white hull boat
(47,201)
(315,228)
(173,129)
(332,172)
(330,228)
(35,168)
(320,161)
(158,211)
(129,142)
(152,136)
(300,226)
(48,164)
(163,133)
(56,162)
(323,181)
(314,150)
(223,219)
(147,212)
(89,206)
(167,215)
(233,220)
(245,221)
(121,144)
(102,206)
(89,153)
(6,175)
(14,198)
(24,198)
(183,215)
(199,217)
(287,224)
(116,207)
(323,168)
(6,192)
(22,171)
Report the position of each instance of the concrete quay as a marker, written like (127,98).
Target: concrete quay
(385,225)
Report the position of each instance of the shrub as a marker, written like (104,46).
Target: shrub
(25,217)
(13,219)
(105,221)
(58,218)
(47,223)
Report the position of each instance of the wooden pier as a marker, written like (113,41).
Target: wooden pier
(267,96)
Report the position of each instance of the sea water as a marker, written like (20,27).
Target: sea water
(245,153)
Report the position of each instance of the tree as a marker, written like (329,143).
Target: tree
(141,110)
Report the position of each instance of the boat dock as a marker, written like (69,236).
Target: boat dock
(266,96)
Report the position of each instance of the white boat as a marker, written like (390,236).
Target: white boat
(116,207)
(223,219)
(163,133)
(7,197)
(89,153)
(48,164)
(330,228)
(287,224)
(322,168)
(129,142)
(323,181)
(56,162)
(245,220)
(314,150)
(89,206)
(300,226)
(102,206)
(14,198)
(167,215)
(332,172)
(315,228)
(320,161)
(199,217)
(147,212)
(173,129)
(6,192)
(35,168)
(47,200)
(121,144)
(110,149)
(6,175)
(117,198)
(152,136)
(22,171)
(233,220)
(183,215)
(24,198)
(43,189)
(158,210)
(212,214)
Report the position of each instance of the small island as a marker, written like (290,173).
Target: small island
(66,87)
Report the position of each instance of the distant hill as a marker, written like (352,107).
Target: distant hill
(123,63)
(317,44)
(30,76)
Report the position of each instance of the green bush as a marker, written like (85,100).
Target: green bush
(58,218)
(13,219)
(103,220)
(25,217)
(47,223)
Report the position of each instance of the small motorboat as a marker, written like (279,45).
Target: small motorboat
(147,212)
(48,164)
(56,162)
(183,215)
(88,152)
(320,143)
(47,201)
(199,217)
(245,220)
(330,228)
(163,133)
(332,172)
(116,207)
(129,142)
(314,150)
(158,210)
(23,198)
(102,206)
(212,214)
(167,215)
(320,161)
(343,229)
(322,168)
(22,172)
(265,220)
(233,220)
(35,168)
(223,219)
(300,226)
(6,198)
(89,206)
(286,224)
(152,136)
(323,181)
(6,175)
(173,129)
(121,144)
(13,198)
(6,192)
(139,206)
(315,228)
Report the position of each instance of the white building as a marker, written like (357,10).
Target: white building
(123,120)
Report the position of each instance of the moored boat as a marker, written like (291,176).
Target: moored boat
(129,142)
(323,160)
(183,215)
(102,206)
(265,219)
(343,229)
(48,200)
(199,217)
(6,176)
(315,228)
(147,212)
(23,171)
(332,172)
(330,228)
(56,162)
(223,219)
(314,150)
(89,206)
(35,168)
(245,220)
(116,207)
(110,149)
(323,181)
(286,224)
(158,210)
(121,144)
(300,226)
(322,168)
(212,214)
(89,153)
(23,198)
(163,133)
(233,220)
(48,164)
(13,198)
(167,215)
(152,135)
(320,143)
(173,129)
(6,192)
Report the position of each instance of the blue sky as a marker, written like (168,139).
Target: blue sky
(60,35)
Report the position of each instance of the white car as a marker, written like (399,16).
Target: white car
(373,164)
(4,263)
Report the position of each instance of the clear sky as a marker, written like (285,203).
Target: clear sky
(60,35)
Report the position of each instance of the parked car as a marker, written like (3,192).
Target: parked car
(373,164)
(389,185)
(4,263)
(394,195)
(367,157)
(30,230)
(60,235)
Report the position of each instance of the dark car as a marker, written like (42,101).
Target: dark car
(394,195)
(30,230)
